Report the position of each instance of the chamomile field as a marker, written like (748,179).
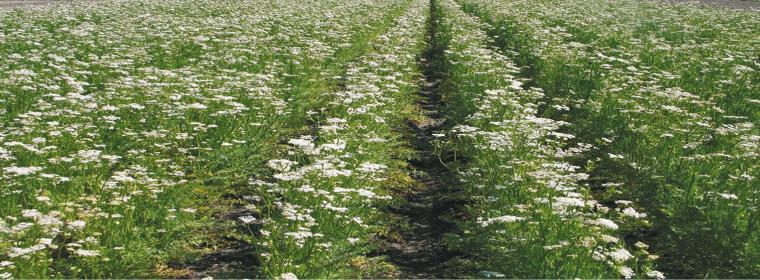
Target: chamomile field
(380,139)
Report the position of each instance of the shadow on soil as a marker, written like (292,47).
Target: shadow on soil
(420,252)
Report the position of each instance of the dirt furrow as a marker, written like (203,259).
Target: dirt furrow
(420,252)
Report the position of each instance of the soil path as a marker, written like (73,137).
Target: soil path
(420,253)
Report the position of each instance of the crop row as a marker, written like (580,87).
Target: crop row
(123,123)
(668,97)
(321,216)
(531,215)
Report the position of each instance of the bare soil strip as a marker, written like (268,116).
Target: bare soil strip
(420,252)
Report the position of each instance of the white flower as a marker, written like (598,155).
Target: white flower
(87,253)
(371,167)
(136,106)
(655,274)
(630,212)
(728,196)
(627,272)
(620,255)
(86,156)
(306,189)
(334,208)
(341,190)
(365,193)
(196,106)
(18,252)
(281,165)
(501,219)
(335,120)
(305,145)
(491,274)
(248,219)
(20,171)
(30,213)
(609,238)
(288,276)
(623,202)
(604,223)
(78,224)
(300,143)
(614,156)
(641,245)
(565,202)
(336,145)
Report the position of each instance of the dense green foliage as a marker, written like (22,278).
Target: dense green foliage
(669,97)
(591,139)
